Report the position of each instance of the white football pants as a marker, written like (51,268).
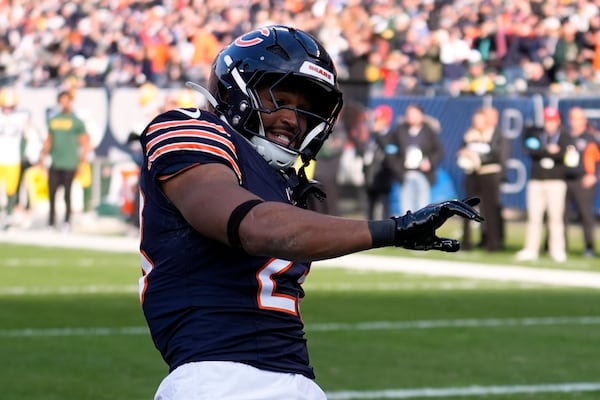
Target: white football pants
(225,380)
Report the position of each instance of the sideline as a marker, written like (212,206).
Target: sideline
(365,262)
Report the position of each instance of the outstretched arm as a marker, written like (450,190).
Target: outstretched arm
(208,194)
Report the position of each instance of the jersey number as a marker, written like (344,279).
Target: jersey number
(268,298)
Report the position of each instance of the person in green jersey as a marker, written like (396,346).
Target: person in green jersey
(67,145)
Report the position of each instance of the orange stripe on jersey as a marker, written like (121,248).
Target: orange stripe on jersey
(205,148)
(191,133)
(185,123)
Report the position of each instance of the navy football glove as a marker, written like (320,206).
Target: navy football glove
(416,230)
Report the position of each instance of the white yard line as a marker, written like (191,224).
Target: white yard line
(421,266)
(329,327)
(570,387)
(453,323)
(340,287)
(51,238)
(67,290)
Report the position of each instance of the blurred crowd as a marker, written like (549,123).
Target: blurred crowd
(396,46)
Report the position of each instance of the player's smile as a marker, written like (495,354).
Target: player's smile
(281,136)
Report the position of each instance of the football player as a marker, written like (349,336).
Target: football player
(14,124)
(225,241)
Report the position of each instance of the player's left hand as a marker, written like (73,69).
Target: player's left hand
(416,231)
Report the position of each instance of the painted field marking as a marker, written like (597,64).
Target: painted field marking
(73,240)
(423,266)
(16,262)
(98,288)
(570,387)
(69,332)
(328,327)
(453,323)
(469,284)
(67,290)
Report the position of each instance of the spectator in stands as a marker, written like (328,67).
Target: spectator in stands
(205,47)
(587,78)
(454,53)
(397,74)
(522,45)
(536,77)
(547,187)
(68,146)
(481,158)
(476,80)
(566,51)
(419,154)
(357,30)
(582,160)
(486,42)
(567,80)
(549,31)
(427,53)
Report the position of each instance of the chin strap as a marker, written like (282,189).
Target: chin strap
(305,187)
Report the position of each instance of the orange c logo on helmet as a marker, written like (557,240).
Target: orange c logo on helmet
(252,41)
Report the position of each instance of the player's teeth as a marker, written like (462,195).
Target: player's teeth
(283,139)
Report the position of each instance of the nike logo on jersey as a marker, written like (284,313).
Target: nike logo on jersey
(190,114)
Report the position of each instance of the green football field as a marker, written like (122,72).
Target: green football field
(72,328)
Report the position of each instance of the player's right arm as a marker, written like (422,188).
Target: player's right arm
(208,194)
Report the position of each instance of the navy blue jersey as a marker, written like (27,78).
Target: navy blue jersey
(203,300)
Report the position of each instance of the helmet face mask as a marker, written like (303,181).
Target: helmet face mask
(249,75)
(308,116)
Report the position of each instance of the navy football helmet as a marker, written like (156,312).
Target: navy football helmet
(276,57)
